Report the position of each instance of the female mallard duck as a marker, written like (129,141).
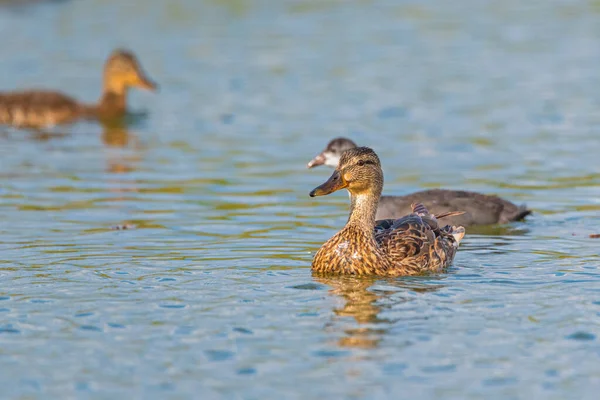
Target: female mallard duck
(479,209)
(410,245)
(40,108)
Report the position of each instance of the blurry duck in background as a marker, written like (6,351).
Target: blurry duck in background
(411,245)
(479,209)
(39,109)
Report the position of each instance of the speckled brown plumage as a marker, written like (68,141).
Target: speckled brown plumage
(42,108)
(410,245)
(479,209)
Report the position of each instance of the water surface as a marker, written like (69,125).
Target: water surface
(212,292)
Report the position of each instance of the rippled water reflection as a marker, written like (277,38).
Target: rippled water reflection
(211,292)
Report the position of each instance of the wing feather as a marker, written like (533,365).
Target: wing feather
(416,242)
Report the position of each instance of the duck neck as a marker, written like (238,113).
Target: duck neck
(113,102)
(363,209)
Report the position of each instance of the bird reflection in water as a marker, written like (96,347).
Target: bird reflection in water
(115,134)
(365,306)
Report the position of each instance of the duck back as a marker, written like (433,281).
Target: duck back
(416,244)
(480,209)
(37,109)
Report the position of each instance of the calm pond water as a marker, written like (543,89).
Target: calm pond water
(211,296)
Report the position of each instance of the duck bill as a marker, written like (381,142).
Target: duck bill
(333,184)
(315,162)
(146,83)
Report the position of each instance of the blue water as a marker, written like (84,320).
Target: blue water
(210,295)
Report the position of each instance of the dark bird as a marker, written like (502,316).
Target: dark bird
(479,209)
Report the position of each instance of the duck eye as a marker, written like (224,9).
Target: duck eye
(361,163)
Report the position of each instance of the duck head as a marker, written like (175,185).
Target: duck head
(332,153)
(358,170)
(122,70)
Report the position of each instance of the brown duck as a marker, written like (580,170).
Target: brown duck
(39,109)
(410,245)
(479,209)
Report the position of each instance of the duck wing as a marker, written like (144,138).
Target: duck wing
(480,209)
(416,243)
(37,109)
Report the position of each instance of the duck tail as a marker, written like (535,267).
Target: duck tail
(458,232)
(515,214)
(522,213)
